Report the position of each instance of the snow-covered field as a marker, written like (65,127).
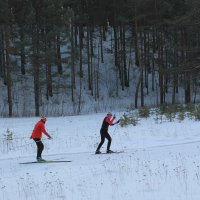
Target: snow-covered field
(161,161)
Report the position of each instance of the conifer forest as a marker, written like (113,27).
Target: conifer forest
(61,57)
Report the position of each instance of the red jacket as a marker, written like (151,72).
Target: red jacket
(39,129)
(107,122)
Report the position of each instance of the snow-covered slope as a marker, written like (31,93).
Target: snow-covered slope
(161,161)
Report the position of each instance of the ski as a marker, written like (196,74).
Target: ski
(47,161)
(109,153)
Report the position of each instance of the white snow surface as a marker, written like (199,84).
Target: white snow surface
(160,160)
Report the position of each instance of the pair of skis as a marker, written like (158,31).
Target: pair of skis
(64,161)
(47,161)
(109,152)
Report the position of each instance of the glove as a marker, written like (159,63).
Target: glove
(49,137)
(114,116)
(31,137)
(118,121)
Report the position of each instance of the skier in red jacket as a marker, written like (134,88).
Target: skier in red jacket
(104,132)
(37,136)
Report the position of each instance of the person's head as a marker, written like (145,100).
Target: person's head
(109,115)
(43,118)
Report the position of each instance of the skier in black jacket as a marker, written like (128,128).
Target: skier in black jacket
(104,132)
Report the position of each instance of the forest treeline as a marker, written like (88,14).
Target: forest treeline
(160,37)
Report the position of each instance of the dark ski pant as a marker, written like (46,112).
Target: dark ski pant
(104,134)
(40,147)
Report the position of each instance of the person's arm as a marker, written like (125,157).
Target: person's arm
(110,122)
(45,132)
(117,121)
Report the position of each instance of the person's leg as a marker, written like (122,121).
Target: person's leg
(40,147)
(102,141)
(109,141)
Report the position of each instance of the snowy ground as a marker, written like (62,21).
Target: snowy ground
(161,161)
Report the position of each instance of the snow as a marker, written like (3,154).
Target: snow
(161,160)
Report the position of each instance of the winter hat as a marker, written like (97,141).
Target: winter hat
(43,118)
(109,114)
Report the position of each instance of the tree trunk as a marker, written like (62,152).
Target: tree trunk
(153,61)
(160,64)
(136,48)
(140,80)
(187,88)
(80,50)
(124,57)
(88,58)
(101,44)
(3,59)
(72,64)
(58,53)
(36,70)
(91,62)
(121,63)
(49,72)
(8,73)
(22,52)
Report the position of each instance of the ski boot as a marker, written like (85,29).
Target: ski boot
(40,159)
(97,152)
(109,151)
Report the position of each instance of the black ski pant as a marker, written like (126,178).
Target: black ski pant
(40,147)
(104,134)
